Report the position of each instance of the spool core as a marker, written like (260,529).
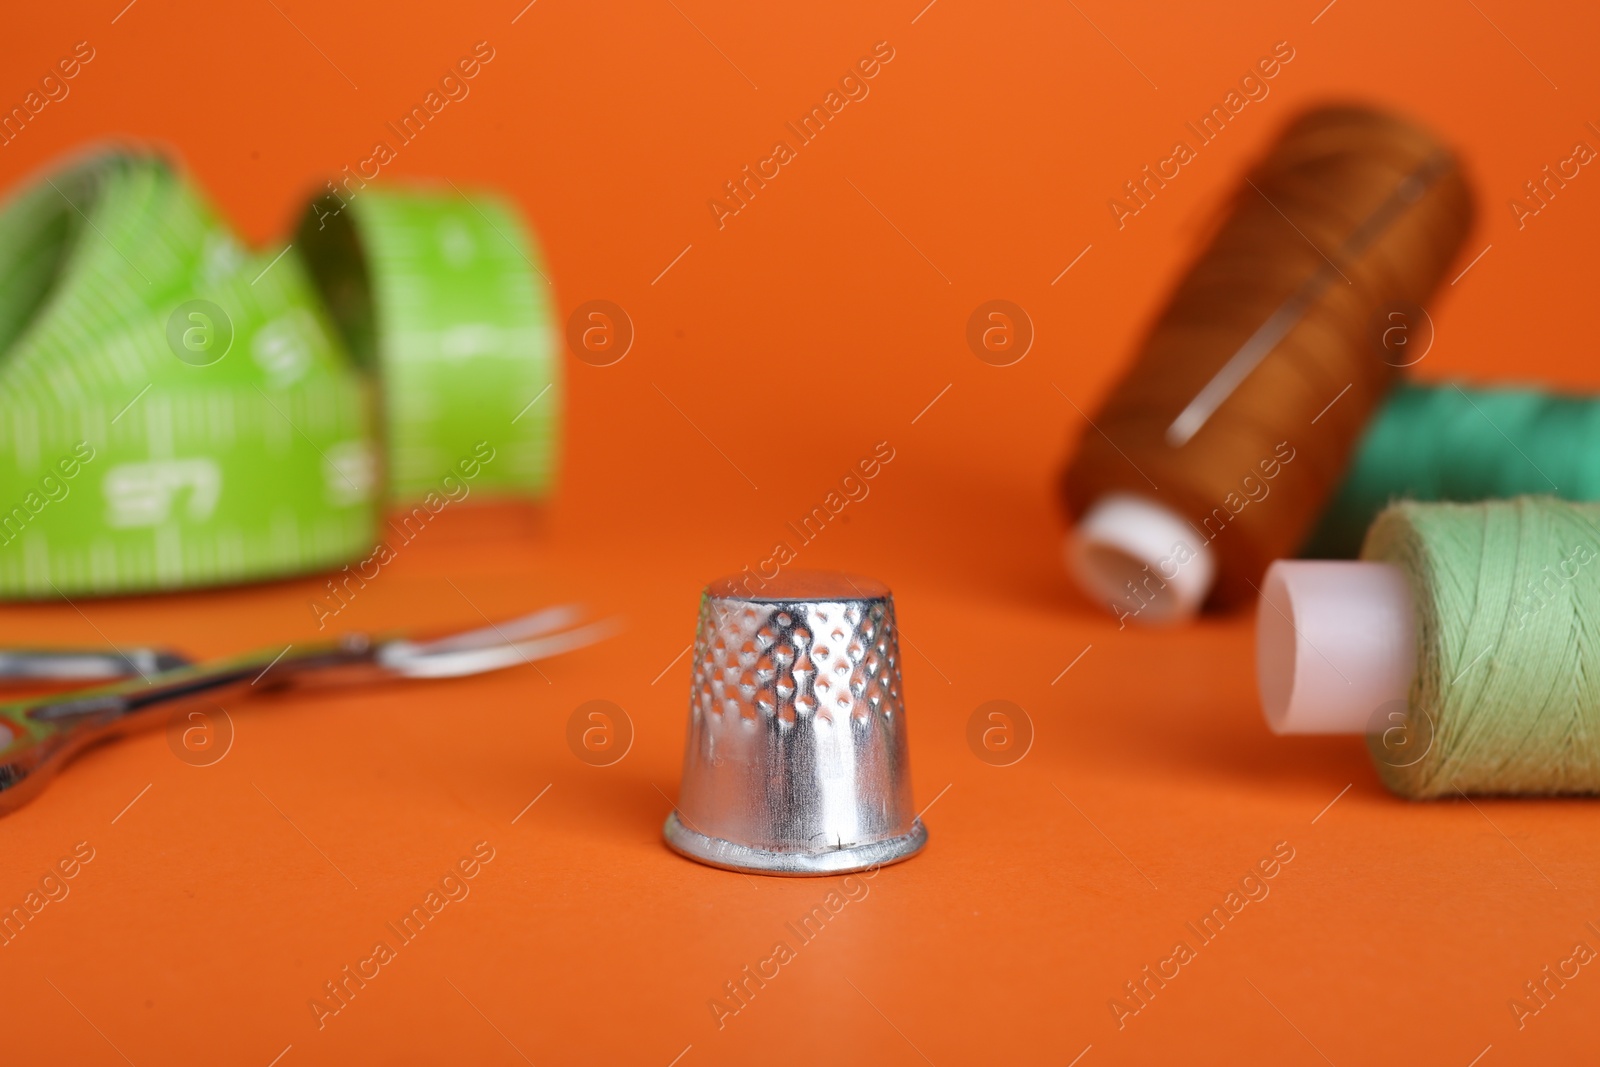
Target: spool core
(1336,645)
(1141,559)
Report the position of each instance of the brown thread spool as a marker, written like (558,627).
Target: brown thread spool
(1218,448)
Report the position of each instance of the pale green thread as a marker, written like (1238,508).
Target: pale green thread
(1508,645)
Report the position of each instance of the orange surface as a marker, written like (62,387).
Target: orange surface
(820,320)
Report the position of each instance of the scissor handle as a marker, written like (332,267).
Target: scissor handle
(41,733)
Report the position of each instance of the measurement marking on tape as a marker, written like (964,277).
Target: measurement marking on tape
(488,222)
(99,231)
(309,441)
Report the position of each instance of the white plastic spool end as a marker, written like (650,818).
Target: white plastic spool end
(1140,559)
(1335,643)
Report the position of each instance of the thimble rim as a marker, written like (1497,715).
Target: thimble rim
(732,856)
(798,586)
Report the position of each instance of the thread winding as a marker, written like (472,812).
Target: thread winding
(1449,442)
(1507,692)
(1368,203)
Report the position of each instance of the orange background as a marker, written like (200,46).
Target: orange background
(822,319)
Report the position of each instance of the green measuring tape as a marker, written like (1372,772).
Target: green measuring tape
(176,411)
(442,294)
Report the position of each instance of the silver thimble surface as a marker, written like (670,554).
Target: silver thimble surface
(796,760)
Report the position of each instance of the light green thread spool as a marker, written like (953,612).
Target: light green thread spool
(1507,596)
(1446,442)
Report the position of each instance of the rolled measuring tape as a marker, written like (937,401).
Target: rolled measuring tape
(178,412)
(442,293)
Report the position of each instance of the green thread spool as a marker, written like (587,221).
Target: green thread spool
(1447,442)
(1468,642)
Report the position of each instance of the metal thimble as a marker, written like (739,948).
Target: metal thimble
(796,760)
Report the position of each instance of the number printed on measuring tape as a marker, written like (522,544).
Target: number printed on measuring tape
(350,472)
(146,494)
(280,349)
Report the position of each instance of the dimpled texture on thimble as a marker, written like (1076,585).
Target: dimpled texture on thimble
(789,662)
(797,733)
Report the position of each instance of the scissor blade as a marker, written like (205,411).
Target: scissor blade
(535,624)
(426,661)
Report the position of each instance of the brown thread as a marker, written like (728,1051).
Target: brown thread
(1351,213)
